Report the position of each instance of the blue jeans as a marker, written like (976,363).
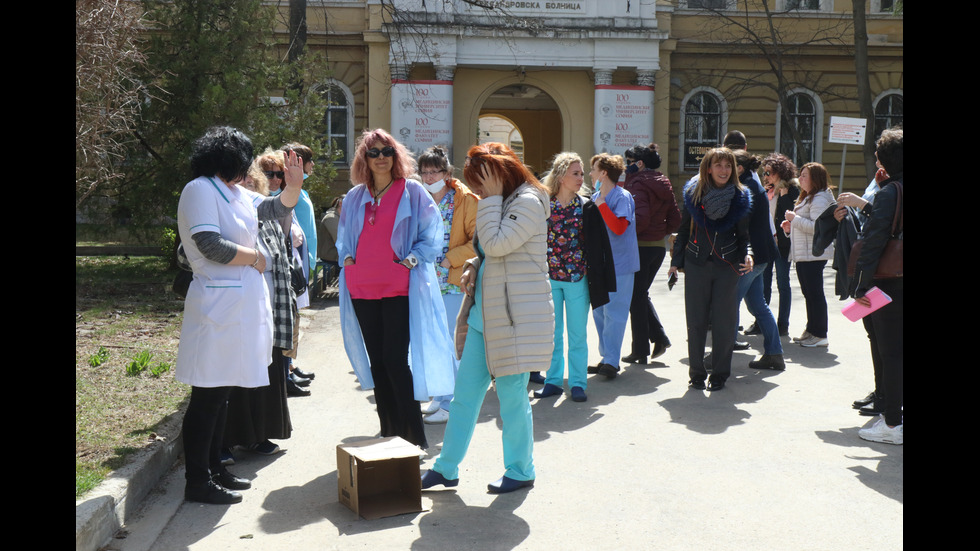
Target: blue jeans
(750,288)
(785,293)
(573,298)
(610,320)
(472,382)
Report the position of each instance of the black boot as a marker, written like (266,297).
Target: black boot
(769,361)
(210,492)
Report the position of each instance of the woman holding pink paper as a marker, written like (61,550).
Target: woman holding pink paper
(888,321)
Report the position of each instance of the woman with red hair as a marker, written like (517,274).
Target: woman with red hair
(389,236)
(507,319)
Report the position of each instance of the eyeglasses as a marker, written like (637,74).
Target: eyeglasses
(275,174)
(374,152)
(766,173)
(432,172)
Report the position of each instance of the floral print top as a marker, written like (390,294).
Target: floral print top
(446,207)
(566,258)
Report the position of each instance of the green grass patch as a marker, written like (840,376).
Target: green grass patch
(124,310)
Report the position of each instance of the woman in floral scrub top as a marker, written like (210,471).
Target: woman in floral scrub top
(566,269)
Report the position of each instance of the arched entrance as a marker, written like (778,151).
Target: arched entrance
(528,117)
(495,128)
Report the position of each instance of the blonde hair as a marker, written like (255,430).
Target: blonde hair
(257,175)
(559,166)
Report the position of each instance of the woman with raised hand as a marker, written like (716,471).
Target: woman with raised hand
(457,205)
(507,320)
(255,415)
(815,198)
(712,251)
(390,235)
(218,224)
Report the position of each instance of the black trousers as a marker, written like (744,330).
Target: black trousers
(889,331)
(384,325)
(203,432)
(710,298)
(810,275)
(644,322)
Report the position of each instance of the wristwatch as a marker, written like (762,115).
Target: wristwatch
(412,261)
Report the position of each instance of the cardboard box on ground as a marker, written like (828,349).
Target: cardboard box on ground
(379,477)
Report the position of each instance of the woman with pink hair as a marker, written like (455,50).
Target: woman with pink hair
(390,234)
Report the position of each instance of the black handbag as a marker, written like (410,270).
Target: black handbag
(182,281)
(297,279)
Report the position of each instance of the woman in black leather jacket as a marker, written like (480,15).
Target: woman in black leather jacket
(888,321)
(713,238)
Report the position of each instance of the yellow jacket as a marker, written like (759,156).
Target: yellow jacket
(462,230)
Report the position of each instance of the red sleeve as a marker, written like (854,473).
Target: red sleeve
(617,225)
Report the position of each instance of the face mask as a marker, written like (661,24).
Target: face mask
(598,185)
(305,176)
(436,187)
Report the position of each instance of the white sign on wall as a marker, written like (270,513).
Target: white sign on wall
(422,113)
(623,117)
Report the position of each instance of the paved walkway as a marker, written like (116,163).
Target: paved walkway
(771,462)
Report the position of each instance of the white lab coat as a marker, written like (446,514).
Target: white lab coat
(226,337)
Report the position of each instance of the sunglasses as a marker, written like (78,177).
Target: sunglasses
(766,173)
(275,174)
(374,152)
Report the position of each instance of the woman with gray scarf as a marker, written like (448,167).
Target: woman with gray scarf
(712,251)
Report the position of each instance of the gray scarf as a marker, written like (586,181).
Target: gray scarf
(717,200)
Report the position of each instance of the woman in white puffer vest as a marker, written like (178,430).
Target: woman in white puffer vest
(815,198)
(507,318)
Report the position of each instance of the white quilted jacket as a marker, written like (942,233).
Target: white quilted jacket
(518,313)
(801,228)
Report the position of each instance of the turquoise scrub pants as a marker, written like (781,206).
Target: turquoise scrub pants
(610,320)
(571,303)
(472,382)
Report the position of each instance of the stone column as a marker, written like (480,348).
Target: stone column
(602,136)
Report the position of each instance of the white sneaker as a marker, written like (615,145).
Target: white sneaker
(806,335)
(431,407)
(813,342)
(881,432)
(437,418)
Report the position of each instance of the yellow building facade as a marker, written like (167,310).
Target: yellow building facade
(600,75)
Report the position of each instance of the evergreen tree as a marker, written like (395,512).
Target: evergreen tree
(214,63)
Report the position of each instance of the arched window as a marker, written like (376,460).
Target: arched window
(805,114)
(338,121)
(889,110)
(705,122)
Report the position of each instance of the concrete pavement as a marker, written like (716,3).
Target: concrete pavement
(772,461)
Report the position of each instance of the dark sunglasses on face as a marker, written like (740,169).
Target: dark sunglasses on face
(766,173)
(374,153)
(275,174)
